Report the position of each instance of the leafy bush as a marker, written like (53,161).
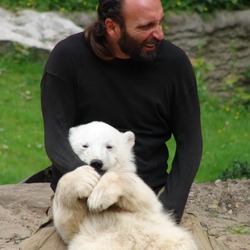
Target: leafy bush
(236,170)
(205,6)
(201,6)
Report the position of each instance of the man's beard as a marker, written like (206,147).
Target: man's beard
(134,48)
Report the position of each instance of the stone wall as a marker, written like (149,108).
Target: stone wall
(223,39)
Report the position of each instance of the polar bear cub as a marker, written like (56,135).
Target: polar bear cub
(105,205)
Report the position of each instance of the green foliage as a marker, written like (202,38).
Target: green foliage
(236,170)
(201,6)
(49,5)
(205,6)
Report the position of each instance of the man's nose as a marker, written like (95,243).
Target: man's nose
(158,32)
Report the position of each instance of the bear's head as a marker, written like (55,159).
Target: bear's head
(103,147)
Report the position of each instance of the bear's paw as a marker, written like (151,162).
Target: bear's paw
(84,180)
(106,193)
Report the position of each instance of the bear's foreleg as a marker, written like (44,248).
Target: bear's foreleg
(125,190)
(69,204)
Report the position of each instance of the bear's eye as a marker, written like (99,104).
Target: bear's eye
(85,146)
(109,147)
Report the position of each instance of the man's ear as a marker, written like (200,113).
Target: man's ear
(112,28)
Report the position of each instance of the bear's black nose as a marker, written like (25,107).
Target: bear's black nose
(96,164)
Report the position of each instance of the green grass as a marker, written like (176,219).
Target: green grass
(226,133)
(226,138)
(21,132)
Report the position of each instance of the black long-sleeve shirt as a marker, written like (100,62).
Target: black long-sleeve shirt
(153,99)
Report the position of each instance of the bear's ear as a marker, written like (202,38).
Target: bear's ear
(71,130)
(130,138)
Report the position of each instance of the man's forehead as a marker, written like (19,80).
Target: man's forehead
(141,5)
(142,10)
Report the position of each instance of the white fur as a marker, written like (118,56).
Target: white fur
(115,211)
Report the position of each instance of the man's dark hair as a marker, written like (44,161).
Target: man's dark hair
(95,33)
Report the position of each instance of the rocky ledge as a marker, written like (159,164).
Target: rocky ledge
(222,208)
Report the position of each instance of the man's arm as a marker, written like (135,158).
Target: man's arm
(186,128)
(59,111)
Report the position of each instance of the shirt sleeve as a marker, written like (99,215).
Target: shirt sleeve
(59,110)
(186,128)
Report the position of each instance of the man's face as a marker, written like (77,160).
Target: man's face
(142,30)
(135,48)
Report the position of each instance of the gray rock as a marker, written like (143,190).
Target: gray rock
(34,29)
(23,207)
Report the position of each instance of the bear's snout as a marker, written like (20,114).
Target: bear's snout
(97,165)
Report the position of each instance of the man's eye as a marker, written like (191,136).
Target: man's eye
(149,26)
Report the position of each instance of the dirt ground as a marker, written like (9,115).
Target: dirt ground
(223,209)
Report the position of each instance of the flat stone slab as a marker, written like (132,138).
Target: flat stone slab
(221,207)
(22,210)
